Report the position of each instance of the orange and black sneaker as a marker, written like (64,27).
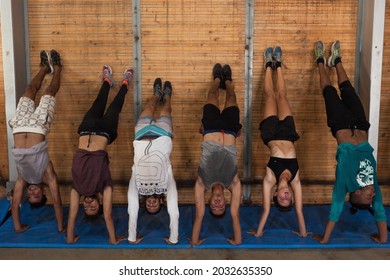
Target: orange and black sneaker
(127,76)
(107,75)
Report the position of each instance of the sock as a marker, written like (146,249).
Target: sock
(268,64)
(337,61)
(320,60)
(125,82)
(106,79)
(278,64)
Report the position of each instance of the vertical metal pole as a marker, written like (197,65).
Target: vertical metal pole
(136,27)
(248,99)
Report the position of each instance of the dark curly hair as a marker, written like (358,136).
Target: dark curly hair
(358,206)
(96,218)
(39,204)
(143,199)
(280,207)
(217,216)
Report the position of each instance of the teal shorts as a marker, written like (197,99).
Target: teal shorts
(147,127)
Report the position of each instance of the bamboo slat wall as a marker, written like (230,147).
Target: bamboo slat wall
(180,42)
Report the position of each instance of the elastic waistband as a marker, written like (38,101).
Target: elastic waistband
(221,131)
(26,129)
(99,133)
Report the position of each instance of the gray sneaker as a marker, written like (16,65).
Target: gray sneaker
(335,53)
(268,57)
(319,51)
(277,54)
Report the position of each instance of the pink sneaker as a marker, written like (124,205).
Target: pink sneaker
(107,74)
(128,75)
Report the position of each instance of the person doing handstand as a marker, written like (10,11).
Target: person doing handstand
(152,176)
(90,167)
(30,127)
(279,134)
(356,165)
(218,163)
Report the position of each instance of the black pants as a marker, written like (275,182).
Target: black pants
(96,122)
(346,111)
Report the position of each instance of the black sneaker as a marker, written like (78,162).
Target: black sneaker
(46,61)
(227,73)
(55,58)
(217,73)
(167,89)
(157,89)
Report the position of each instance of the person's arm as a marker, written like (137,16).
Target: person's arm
(74,205)
(107,212)
(173,210)
(338,196)
(297,188)
(379,214)
(235,211)
(324,239)
(381,237)
(50,179)
(132,209)
(268,182)
(199,190)
(17,198)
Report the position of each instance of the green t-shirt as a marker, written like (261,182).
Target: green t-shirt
(356,168)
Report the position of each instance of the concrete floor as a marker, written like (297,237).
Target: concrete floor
(194,254)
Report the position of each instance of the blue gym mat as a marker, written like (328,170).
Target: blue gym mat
(352,231)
